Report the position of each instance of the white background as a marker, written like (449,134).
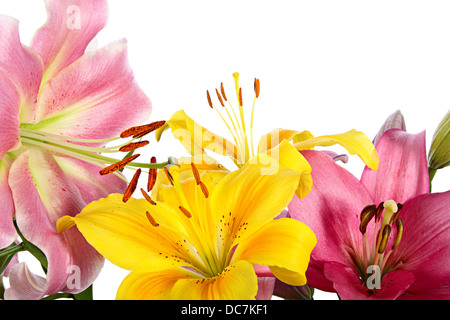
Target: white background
(324,66)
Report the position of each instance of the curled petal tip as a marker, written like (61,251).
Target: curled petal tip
(64,223)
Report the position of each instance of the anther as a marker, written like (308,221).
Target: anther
(209,99)
(256,86)
(196,173)
(147,197)
(398,238)
(133,146)
(118,165)
(384,238)
(222,90)
(240,97)
(131,186)
(185,211)
(204,189)
(366,216)
(151,219)
(379,211)
(220,98)
(152,176)
(140,131)
(169,176)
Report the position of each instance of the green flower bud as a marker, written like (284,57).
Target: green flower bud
(439,155)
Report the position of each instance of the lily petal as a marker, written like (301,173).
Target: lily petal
(26,285)
(395,120)
(24,68)
(402,176)
(240,276)
(349,287)
(143,285)
(196,138)
(354,141)
(9,108)
(43,201)
(7,231)
(424,255)
(70,26)
(334,189)
(100,96)
(284,245)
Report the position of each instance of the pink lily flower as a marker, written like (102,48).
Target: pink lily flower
(60,105)
(363,253)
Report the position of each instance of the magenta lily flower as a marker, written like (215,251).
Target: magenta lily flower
(60,105)
(384,236)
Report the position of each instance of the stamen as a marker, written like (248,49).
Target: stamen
(209,99)
(118,165)
(139,131)
(169,176)
(133,146)
(147,197)
(384,239)
(256,86)
(196,173)
(185,211)
(152,176)
(222,90)
(151,219)
(131,186)
(240,97)
(204,189)
(380,209)
(398,238)
(220,98)
(366,216)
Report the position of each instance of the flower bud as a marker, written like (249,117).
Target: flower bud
(395,120)
(439,155)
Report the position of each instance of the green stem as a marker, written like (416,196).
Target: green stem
(431,174)
(11,250)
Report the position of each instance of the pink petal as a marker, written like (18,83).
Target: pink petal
(26,285)
(350,287)
(89,182)
(9,109)
(43,193)
(403,171)
(7,231)
(22,66)
(425,247)
(70,26)
(332,211)
(265,288)
(94,97)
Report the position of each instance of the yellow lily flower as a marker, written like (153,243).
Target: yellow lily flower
(196,139)
(204,236)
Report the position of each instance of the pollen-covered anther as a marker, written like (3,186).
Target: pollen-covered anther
(240,97)
(220,98)
(196,173)
(185,211)
(256,87)
(133,146)
(151,219)
(209,99)
(131,186)
(398,238)
(140,131)
(152,175)
(147,197)
(169,176)
(367,215)
(222,90)
(118,165)
(204,189)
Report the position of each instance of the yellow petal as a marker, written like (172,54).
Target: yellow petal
(289,157)
(254,195)
(274,138)
(122,233)
(196,138)
(143,285)
(237,282)
(354,141)
(285,245)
